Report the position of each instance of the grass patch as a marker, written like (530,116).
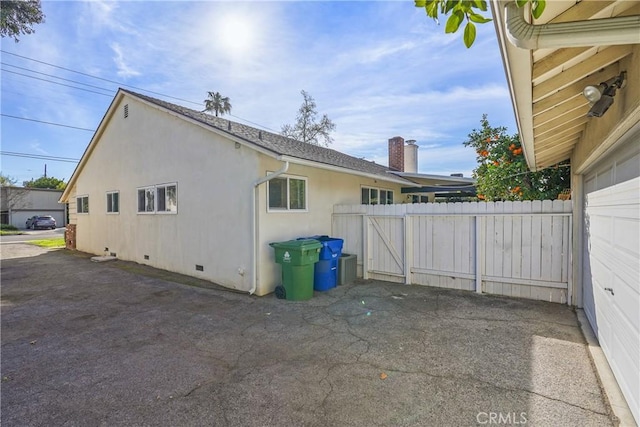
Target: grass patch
(9,230)
(49,243)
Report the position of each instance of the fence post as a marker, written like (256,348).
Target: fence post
(408,248)
(478,255)
(365,246)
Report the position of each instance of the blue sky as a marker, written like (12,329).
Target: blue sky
(377,69)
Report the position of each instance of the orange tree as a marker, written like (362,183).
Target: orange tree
(502,172)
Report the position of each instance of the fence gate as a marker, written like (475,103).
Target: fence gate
(506,248)
(386,249)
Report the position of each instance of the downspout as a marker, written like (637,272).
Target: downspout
(592,32)
(254,223)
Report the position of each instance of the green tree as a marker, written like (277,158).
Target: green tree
(502,172)
(469,10)
(46,182)
(306,128)
(18,17)
(217,104)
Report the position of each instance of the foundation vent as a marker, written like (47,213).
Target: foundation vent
(199,267)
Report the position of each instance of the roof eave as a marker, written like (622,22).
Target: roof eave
(304,162)
(517,66)
(87,152)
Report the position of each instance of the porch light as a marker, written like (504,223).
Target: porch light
(600,97)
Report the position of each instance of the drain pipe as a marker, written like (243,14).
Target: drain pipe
(592,32)
(254,223)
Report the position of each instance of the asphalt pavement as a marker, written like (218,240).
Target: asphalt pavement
(117,343)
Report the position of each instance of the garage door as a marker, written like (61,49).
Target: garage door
(611,267)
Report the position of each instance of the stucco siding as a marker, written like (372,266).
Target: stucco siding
(214,179)
(597,138)
(325,189)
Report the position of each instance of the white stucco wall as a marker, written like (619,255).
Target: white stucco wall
(325,189)
(214,179)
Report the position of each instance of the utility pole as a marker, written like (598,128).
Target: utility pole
(45,170)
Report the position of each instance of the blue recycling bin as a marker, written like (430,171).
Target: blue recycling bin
(325,274)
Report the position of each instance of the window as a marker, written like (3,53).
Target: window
(158,199)
(386,197)
(113,202)
(146,203)
(82,204)
(167,197)
(287,194)
(375,196)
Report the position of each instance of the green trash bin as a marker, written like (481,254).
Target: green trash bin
(297,259)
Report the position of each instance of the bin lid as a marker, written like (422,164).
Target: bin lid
(301,245)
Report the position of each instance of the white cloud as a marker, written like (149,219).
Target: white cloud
(124,70)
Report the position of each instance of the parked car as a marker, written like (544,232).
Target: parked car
(44,221)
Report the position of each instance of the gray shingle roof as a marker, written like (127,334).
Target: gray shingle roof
(275,143)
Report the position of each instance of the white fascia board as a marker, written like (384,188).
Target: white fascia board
(318,165)
(518,65)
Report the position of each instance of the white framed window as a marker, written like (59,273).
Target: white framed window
(287,194)
(376,196)
(146,200)
(167,198)
(161,198)
(113,202)
(82,204)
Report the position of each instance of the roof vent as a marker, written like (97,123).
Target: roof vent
(228,125)
(260,135)
(126,110)
(458,175)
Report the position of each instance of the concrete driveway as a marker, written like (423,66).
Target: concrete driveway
(115,343)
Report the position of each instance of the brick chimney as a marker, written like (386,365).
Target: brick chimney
(396,153)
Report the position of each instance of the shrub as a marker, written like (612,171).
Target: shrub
(8,227)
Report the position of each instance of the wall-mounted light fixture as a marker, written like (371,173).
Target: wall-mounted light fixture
(601,97)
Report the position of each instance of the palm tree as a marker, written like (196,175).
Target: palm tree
(217,104)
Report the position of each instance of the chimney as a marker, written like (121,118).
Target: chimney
(396,153)
(411,156)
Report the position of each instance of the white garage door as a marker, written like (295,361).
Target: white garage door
(611,267)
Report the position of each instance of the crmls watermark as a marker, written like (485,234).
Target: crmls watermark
(508,418)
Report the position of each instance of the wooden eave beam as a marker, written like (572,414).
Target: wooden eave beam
(560,142)
(556,61)
(550,160)
(571,75)
(575,103)
(553,125)
(577,128)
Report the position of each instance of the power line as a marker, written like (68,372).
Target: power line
(115,82)
(51,75)
(57,83)
(99,78)
(40,157)
(46,123)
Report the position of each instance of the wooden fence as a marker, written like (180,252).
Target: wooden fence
(518,249)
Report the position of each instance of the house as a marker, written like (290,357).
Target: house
(403,161)
(177,189)
(20,203)
(590,48)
